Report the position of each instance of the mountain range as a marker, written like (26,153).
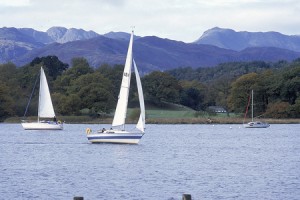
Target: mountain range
(230,39)
(22,45)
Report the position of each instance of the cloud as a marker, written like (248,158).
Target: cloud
(14,3)
(174,19)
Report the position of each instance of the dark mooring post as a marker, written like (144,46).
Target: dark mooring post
(78,198)
(186,197)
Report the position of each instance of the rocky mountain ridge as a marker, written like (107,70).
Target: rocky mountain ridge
(230,39)
(21,46)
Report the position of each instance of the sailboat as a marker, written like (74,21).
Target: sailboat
(45,109)
(254,124)
(118,134)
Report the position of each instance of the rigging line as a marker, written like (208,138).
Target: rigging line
(247,108)
(31,95)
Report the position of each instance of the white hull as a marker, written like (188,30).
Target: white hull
(121,137)
(42,126)
(256,125)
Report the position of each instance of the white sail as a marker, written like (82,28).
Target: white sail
(45,103)
(141,123)
(121,109)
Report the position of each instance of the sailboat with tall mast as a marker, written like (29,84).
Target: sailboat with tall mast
(254,124)
(45,109)
(118,134)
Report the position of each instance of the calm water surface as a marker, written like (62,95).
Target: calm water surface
(206,161)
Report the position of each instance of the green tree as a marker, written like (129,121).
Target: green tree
(51,64)
(114,74)
(291,86)
(262,97)
(67,105)
(240,90)
(218,91)
(80,66)
(6,102)
(278,110)
(192,94)
(161,87)
(94,91)
(295,109)
(8,73)
(9,77)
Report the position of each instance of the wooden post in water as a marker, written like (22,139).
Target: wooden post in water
(186,197)
(78,198)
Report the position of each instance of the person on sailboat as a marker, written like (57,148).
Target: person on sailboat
(54,119)
(103,130)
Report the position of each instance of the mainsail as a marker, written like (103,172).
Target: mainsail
(45,103)
(121,109)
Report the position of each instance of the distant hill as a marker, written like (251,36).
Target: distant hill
(21,46)
(230,39)
(14,44)
(153,53)
(118,35)
(58,34)
(95,50)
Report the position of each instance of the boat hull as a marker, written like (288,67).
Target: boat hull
(42,126)
(256,125)
(115,137)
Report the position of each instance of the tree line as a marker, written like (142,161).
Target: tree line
(84,90)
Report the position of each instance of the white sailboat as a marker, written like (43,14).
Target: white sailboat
(118,134)
(45,109)
(255,124)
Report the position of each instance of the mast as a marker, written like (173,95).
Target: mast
(247,107)
(40,94)
(252,105)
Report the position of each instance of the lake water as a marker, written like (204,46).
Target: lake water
(206,161)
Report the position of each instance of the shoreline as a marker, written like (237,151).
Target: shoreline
(199,120)
(218,121)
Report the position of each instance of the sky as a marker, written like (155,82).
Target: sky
(181,20)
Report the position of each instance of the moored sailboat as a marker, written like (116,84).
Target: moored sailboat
(254,124)
(45,109)
(118,134)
